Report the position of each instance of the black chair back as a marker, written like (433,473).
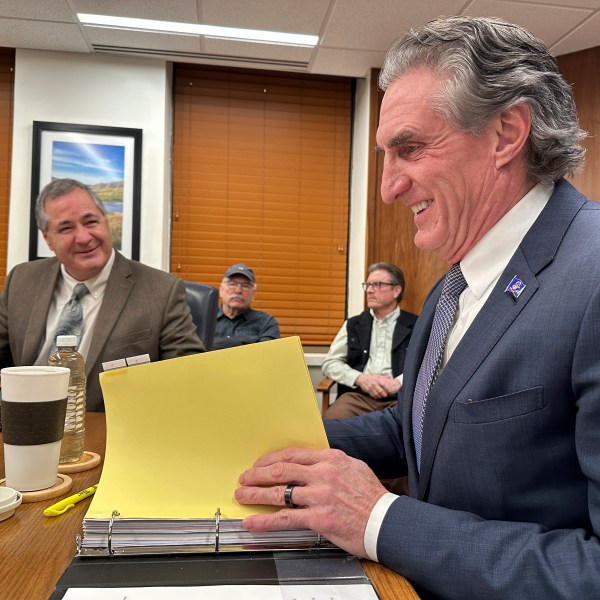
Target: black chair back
(203,301)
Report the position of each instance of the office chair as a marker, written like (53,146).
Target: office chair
(203,301)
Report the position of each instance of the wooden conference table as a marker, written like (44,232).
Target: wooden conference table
(35,550)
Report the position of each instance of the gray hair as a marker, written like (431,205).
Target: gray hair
(395,273)
(55,189)
(490,65)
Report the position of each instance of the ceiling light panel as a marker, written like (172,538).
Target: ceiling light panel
(251,35)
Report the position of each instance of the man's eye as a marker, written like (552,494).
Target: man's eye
(409,149)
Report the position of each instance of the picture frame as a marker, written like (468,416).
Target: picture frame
(107,159)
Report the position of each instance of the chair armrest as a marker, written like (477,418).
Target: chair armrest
(324,386)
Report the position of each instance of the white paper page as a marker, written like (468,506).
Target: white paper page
(227,592)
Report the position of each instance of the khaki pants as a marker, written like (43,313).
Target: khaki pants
(352,404)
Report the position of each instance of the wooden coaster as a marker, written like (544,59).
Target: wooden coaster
(62,486)
(88,461)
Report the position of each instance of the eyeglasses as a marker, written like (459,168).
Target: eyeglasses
(232,285)
(376,285)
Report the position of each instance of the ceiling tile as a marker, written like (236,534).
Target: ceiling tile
(48,10)
(63,37)
(564,3)
(355,25)
(289,16)
(348,63)
(548,23)
(583,37)
(185,11)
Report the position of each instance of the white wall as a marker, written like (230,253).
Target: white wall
(94,90)
(358,198)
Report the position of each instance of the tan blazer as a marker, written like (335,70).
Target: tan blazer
(144,311)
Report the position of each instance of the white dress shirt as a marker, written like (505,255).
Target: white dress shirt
(482,267)
(90,303)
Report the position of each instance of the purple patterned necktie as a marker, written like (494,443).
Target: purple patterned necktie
(454,284)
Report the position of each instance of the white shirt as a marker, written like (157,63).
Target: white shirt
(90,303)
(380,352)
(482,268)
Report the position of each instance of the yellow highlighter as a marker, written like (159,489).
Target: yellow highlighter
(64,505)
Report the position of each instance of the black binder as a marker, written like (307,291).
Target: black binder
(246,568)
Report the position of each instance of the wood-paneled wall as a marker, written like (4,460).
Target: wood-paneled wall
(581,70)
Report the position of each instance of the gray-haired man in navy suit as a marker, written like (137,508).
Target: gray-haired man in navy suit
(478,129)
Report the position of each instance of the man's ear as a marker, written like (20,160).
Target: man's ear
(45,235)
(512,128)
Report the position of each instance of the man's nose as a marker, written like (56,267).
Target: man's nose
(82,235)
(393,185)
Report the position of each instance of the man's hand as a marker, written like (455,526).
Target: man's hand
(335,494)
(377,386)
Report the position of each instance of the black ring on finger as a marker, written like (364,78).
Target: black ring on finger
(287,496)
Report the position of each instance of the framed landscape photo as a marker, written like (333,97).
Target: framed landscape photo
(107,159)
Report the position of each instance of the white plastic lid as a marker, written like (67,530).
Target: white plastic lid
(9,501)
(66,340)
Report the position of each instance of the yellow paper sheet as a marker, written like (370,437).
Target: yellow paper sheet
(180,431)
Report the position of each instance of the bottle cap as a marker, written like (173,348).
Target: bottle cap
(66,340)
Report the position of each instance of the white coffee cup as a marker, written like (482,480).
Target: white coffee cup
(34,404)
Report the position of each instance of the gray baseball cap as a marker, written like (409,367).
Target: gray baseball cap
(240,269)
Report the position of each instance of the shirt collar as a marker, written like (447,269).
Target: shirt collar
(222,315)
(484,263)
(389,318)
(96,284)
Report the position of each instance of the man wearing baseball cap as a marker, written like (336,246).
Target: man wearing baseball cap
(237,323)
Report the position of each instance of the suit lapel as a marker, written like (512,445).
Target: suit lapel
(496,316)
(118,288)
(498,313)
(36,327)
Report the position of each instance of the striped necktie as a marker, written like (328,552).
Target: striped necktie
(454,285)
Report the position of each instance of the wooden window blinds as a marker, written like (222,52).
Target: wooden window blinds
(7,68)
(260,176)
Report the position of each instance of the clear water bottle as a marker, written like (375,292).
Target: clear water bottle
(66,355)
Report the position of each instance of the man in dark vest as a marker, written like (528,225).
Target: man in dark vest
(366,357)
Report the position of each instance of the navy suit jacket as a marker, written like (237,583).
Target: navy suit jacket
(507,503)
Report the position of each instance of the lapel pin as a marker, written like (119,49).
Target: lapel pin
(515,287)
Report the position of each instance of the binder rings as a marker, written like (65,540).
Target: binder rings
(179,434)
